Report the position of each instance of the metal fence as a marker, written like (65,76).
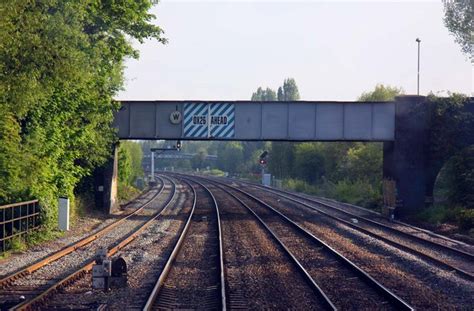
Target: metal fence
(16,220)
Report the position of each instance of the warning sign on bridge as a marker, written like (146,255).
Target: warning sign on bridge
(206,120)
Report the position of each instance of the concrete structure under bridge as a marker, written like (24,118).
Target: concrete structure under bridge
(402,125)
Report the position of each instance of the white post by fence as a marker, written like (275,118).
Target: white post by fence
(64,214)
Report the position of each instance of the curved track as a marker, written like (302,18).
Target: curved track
(42,282)
(193,277)
(314,257)
(445,256)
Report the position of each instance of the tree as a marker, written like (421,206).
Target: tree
(264,95)
(289,91)
(199,159)
(309,162)
(381,93)
(230,157)
(282,153)
(458,20)
(61,63)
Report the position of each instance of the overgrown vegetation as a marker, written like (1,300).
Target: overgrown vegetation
(130,169)
(61,63)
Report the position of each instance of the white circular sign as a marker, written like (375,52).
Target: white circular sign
(175,117)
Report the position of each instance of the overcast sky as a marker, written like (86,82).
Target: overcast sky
(334,50)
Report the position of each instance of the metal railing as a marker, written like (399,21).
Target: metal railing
(16,220)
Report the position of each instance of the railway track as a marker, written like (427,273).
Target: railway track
(259,273)
(349,287)
(444,256)
(5,280)
(193,276)
(62,269)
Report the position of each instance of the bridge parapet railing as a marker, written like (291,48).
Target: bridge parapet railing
(16,220)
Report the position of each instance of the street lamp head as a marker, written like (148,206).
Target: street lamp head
(418,40)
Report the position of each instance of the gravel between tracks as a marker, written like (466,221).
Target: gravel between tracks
(62,267)
(194,279)
(345,288)
(259,275)
(82,227)
(422,285)
(399,226)
(145,258)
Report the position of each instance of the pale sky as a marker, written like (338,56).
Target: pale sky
(225,50)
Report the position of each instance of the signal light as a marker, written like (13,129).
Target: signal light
(178,144)
(263,161)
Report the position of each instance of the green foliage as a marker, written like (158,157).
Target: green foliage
(61,63)
(462,178)
(381,93)
(126,192)
(358,192)
(309,162)
(466,220)
(130,162)
(364,161)
(289,91)
(440,213)
(199,160)
(451,129)
(264,95)
(458,20)
(230,157)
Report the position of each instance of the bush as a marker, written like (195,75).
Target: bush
(126,193)
(466,219)
(358,192)
(440,213)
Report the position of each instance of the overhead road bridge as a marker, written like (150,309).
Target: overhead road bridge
(402,125)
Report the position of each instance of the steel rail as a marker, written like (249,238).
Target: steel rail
(398,245)
(316,288)
(32,304)
(393,298)
(456,251)
(5,281)
(177,248)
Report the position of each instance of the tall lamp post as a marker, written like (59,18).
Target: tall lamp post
(418,75)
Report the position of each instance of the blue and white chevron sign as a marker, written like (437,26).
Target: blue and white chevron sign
(222,120)
(196,120)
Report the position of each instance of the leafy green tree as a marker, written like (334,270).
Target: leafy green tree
(283,153)
(199,160)
(130,162)
(264,95)
(364,162)
(230,157)
(309,162)
(289,91)
(381,93)
(458,20)
(61,63)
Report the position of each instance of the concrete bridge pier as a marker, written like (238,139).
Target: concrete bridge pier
(105,184)
(405,159)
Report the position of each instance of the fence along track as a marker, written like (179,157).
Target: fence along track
(390,296)
(7,280)
(424,243)
(163,297)
(36,302)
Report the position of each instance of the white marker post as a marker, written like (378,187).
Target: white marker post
(64,214)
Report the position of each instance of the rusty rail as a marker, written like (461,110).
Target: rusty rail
(17,219)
